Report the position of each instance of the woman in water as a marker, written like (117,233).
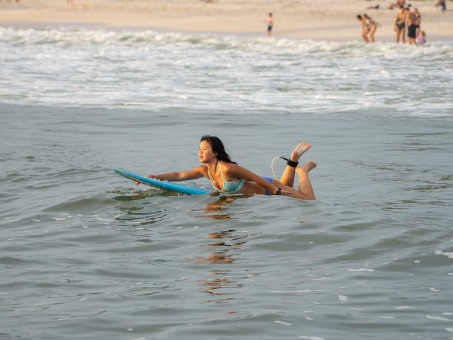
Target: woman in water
(371,26)
(227,176)
(364,28)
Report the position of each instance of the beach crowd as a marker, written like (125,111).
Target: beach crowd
(407,23)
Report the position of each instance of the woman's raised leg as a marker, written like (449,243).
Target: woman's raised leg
(287,177)
(305,190)
(305,187)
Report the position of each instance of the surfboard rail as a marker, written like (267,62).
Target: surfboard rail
(173,186)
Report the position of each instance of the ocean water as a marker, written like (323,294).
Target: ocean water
(86,254)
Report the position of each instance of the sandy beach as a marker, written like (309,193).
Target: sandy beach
(332,20)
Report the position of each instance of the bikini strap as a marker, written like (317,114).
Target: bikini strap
(212,177)
(221,172)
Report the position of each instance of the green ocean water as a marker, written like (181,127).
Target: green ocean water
(86,254)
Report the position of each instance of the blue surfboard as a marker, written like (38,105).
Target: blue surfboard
(177,187)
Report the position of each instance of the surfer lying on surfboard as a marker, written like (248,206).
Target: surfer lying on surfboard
(227,176)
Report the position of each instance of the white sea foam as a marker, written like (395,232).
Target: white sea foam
(439,318)
(343,298)
(283,323)
(403,307)
(132,69)
(448,254)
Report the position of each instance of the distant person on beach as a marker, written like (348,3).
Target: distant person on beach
(411,24)
(441,5)
(373,7)
(270,24)
(421,38)
(69,2)
(397,4)
(400,25)
(364,28)
(227,176)
(371,26)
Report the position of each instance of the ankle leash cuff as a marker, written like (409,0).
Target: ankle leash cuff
(290,162)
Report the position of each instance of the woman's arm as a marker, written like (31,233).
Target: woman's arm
(177,176)
(237,171)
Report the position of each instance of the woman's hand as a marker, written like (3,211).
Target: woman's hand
(286,193)
(279,191)
(149,176)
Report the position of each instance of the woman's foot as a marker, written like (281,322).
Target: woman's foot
(299,151)
(306,167)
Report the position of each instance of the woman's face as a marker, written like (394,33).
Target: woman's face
(205,153)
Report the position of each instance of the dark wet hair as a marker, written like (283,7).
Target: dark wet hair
(359,16)
(217,148)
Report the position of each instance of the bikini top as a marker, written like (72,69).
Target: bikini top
(231,187)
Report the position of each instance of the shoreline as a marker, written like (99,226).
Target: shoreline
(327,20)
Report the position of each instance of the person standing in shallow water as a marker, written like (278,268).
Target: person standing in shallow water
(227,176)
(411,24)
(400,25)
(364,28)
(418,22)
(371,26)
(270,24)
